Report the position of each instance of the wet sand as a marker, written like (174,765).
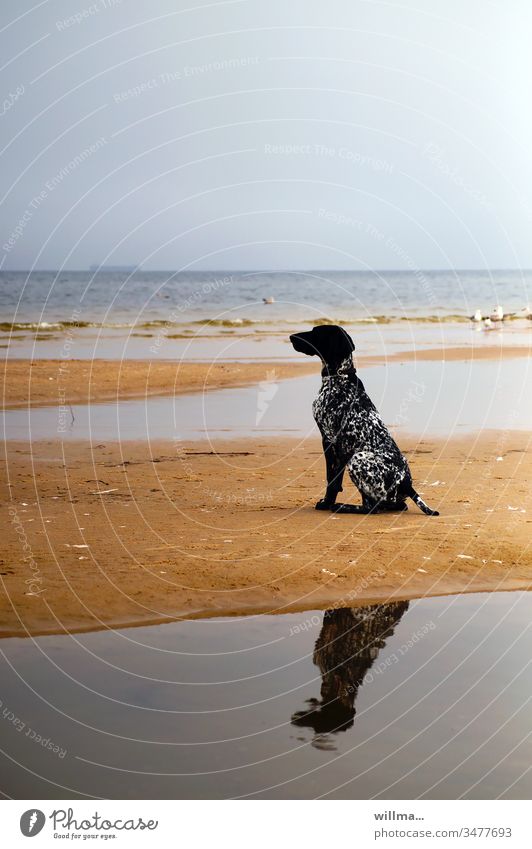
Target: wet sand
(455,353)
(115,535)
(44,382)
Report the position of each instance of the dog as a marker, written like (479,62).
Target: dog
(353,433)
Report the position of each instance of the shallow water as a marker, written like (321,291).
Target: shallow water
(428,398)
(229,344)
(429,698)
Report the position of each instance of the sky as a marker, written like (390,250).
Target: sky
(296,134)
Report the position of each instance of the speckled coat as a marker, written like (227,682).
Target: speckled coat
(349,421)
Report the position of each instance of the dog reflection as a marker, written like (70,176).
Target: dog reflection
(349,642)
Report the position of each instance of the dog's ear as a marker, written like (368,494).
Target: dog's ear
(341,345)
(332,343)
(348,342)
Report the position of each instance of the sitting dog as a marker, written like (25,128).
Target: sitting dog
(353,433)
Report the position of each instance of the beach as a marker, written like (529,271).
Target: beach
(246,249)
(161,551)
(44,382)
(177,478)
(49,382)
(112,535)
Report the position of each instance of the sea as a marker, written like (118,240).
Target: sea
(47,301)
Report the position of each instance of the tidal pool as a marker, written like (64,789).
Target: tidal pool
(421,699)
(428,397)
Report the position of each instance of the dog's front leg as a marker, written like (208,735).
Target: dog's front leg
(335,474)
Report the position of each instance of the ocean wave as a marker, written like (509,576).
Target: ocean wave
(450,318)
(233,322)
(190,326)
(9,326)
(447,318)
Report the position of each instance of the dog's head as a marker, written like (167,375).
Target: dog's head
(327,341)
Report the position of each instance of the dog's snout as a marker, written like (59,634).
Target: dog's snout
(298,343)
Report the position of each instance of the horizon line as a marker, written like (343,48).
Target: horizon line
(131,269)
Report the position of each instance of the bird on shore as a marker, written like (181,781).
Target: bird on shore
(268,300)
(498,314)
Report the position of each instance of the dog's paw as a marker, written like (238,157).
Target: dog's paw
(349,508)
(322,504)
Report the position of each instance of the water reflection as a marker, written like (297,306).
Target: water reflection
(350,641)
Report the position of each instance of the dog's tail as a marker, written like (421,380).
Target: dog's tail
(421,504)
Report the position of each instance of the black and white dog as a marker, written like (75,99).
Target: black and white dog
(353,433)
